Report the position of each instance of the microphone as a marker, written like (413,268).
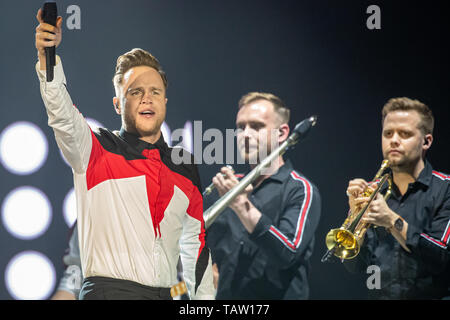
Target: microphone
(49,15)
(303,127)
(301,130)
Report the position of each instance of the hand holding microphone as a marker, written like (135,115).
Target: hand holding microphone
(48,36)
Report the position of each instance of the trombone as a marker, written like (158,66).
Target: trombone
(345,242)
(211,186)
(300,131)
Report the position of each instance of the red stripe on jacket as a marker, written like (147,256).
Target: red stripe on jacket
(305,205)
(104,165)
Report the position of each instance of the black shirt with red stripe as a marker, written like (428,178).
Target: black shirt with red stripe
(272,261)
(425,272)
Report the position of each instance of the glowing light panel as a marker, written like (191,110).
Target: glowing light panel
(30,275)
(70,208)
(26,212)
(23,148)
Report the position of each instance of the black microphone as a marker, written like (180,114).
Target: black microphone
(301,130)
(303,127)
(49,15)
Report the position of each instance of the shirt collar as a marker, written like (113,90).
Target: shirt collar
(282,173)
(423,179)
(141,145)
(425,175)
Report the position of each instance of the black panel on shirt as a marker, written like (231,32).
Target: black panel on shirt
(200,267)
(131,147)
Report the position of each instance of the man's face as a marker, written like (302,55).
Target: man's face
(402,140)
(257,125)
(142,103)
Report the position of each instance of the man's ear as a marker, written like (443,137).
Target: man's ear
(427,141)
(283,132)
(116,103)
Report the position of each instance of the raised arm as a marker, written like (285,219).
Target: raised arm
(72,132)
(46,36)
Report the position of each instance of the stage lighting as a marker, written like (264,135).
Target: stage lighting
(26,212)
(30,275)
(69,208)
(187,137)
(165,131)
(94,124)
(23,148)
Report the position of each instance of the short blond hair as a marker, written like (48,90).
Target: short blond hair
(135,58)
(426,124)
(278,105)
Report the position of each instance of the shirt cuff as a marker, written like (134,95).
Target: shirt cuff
(412,236)
(261,227)
(58,77)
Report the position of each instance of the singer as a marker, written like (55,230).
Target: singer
(137,210)
(261,246)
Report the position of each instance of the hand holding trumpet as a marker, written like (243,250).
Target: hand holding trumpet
(378,213)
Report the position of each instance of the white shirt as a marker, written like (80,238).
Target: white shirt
(137,211)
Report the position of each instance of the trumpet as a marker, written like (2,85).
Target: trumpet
(300,131)
(345,242)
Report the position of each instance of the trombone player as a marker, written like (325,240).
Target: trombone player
(410,243)
(260,248)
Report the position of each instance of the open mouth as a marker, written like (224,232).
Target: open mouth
(147,113)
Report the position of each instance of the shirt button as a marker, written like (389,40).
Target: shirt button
(241,243)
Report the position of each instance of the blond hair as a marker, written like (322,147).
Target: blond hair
(426,124)
(134,58)
(278,105)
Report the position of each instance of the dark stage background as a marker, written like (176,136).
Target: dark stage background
(318,56)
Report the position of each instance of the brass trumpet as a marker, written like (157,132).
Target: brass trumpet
(345,242)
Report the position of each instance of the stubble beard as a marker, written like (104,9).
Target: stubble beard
(130,124)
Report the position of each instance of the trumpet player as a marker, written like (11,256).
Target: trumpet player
(410,245)
(261,245)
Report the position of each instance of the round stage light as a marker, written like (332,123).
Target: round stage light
(23,148)
(26,212)
(30,275)
(70,208)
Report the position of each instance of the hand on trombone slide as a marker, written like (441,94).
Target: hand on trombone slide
(225,180)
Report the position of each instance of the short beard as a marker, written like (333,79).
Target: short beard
(129,124)
(403,165)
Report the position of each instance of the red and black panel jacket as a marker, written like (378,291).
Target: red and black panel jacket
(138,211)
